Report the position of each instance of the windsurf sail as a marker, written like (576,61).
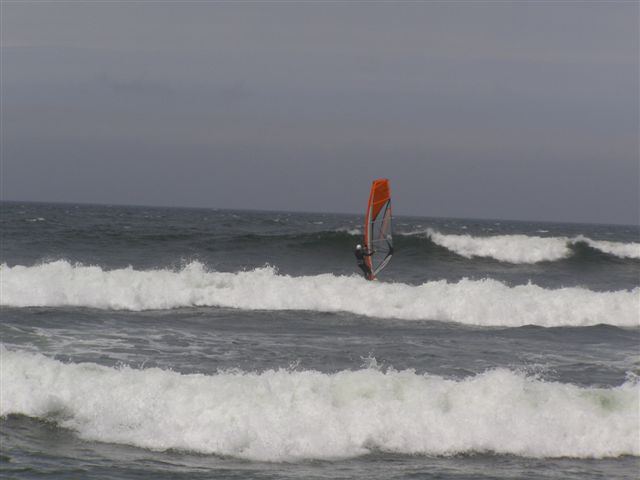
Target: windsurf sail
(378,232)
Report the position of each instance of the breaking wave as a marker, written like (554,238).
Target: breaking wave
(473,302)
(284,415)
(515,249)
(526,249)
(350,231)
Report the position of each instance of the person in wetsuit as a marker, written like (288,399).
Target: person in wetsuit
(360,253)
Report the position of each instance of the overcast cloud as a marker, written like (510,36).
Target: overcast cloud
(488,110)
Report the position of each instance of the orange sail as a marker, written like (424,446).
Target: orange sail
(378,239)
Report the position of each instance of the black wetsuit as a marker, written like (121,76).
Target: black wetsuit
(360,254)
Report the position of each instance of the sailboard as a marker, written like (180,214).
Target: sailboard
(378,231)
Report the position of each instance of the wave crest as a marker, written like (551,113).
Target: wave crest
(525,248)
(474,302)
(282,415)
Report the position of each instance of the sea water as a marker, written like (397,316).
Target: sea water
(141,342)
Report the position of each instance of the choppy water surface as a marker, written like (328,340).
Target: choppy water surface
(176,343)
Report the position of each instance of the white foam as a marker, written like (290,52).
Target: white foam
(474,302)
(525,248)
(505,248)
(350,231)
(622,250)
(282,415)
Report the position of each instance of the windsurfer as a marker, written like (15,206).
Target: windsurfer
(360,254)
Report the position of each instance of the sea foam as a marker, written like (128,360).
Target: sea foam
(283,415)
(622,250)
(525,248)
(473,302)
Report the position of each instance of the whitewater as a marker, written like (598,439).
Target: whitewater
(473,302)
(525,248)
(293,415)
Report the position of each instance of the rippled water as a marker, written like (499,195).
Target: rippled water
(177,343)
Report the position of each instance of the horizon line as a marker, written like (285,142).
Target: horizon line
(184,207)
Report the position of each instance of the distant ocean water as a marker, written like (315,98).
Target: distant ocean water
(141,342)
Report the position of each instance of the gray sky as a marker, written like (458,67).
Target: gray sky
(488,110)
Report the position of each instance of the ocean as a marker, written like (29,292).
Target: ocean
(174,343)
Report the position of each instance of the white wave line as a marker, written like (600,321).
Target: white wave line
(473,302)
(282,415)
(524,248)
